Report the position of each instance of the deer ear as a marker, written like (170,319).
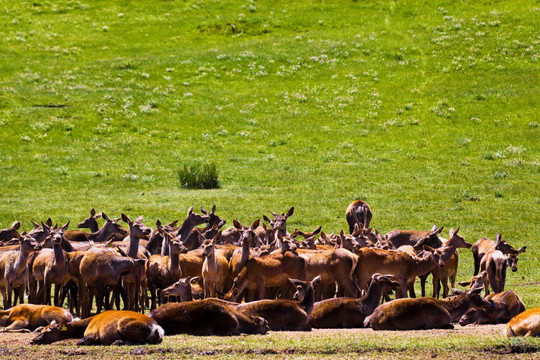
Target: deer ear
(104,216)
(16,225)
(255,224)
(457,291)
(194,280)
(93,212)
(204,211)
(65,226)
(265,218)
(237,224)
(522,249)
(464,283)
(36,225)
(158,224)
(316,280)
(290,212)
(498,237)
(125,218)
(190,211)
(139,219)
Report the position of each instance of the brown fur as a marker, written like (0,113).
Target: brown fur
(504,306)
(415,238)
(525,324)
(482,246)
(358,212)
(111,327)
(30,316)
(13,270)
(351,313)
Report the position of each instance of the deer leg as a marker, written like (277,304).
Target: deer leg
(17,326)
(4,296)
(9,294)
(423,279)
(444,282)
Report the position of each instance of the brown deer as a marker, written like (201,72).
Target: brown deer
(415,238)
(50,268)
(111,327)
(192,242)
(204,317)
(215,269)
(351,313)
(14,270)
(495,263)
(241,256)
(401,265)
(525,324)
(136,282)
(358,213)
(284,314)
(90,222)
(192,219)
(424,313)
(164,270)
(504,306)
(269,271)
(186,289)
(480,280)
(10,233)
(482,246)
(333,266)
(27,317)
(102,269)
(449,270)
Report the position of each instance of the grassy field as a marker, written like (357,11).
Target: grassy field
(427,110)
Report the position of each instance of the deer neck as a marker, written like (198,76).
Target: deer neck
(165,249)
(244,256)
(133,245)
(174,263)
(372,298)
(93,226)
(22,259)
(211,259)
(309,300)
(425,265)
(185,229)
(59,254)
(101,235)
(76,328)
(457,306)
(447,253)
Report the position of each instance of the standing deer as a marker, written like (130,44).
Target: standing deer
(495,263)
(50,267)
(482,246)
(14,270)
(358,213)
(10,233)
(215,269)
(135,282)
(164,270)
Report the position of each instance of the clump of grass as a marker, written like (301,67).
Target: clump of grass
(198,175)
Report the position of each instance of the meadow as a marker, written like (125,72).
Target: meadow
(426,110)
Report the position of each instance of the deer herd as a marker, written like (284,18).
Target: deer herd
(202,280)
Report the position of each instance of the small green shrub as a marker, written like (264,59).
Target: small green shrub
(198,175)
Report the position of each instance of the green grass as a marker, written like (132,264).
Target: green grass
(428,111)
(332,344)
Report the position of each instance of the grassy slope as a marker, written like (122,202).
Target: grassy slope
(426,110)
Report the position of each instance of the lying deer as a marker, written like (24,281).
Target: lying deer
(283,314)
(26,317)
(504,306)
(525,324)
(351,313)
(424,313)
(111,327)
(186,289)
